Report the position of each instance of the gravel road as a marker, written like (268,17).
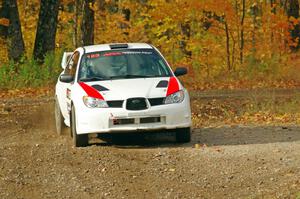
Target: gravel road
(221,162)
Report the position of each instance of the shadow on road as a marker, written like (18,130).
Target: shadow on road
(138,140)
(241,135)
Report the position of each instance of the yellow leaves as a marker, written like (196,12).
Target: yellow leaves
(3,52)
(200,146)
(294,21)
(4,22)
(65,2)
(27,92)
(92,6)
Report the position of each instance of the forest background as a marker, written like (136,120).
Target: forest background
(225,44)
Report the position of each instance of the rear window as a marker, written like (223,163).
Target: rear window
(122,64)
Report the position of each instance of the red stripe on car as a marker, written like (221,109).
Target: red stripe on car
(90,91)
(173,86)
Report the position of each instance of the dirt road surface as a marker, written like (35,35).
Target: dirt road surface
(220,162)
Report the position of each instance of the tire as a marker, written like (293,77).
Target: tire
(78,140)
(183,135)
(59,119)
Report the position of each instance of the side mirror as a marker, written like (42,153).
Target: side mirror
(65,59)
(180,71)
(66,78)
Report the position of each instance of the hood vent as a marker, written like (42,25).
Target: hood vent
(162,84)
(100,88)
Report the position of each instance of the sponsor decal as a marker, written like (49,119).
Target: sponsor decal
(108,54)
(137,53)
(173,86)
(68,93)
(113,54)
(90,91)
(92,56)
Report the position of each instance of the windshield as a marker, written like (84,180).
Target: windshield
(122,64)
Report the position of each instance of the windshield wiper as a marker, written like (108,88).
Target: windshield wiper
(91,79)
(131,76)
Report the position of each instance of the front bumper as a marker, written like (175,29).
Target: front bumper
(105,120)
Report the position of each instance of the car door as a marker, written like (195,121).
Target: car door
(64,89)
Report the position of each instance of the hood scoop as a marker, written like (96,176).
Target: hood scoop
(100,88)
(162,84)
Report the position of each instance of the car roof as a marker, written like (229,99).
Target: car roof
(106,47)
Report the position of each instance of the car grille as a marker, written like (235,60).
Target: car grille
(136,104)
(115,104)
(156,101)
(123,121)
(150,120)
(128,121)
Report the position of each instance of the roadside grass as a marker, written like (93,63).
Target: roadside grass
(256,108)
(28,73)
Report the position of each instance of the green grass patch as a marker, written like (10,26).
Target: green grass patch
(28,73)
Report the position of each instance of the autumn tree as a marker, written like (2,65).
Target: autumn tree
(12,30)
(293,14)
(87,24)
(46,29)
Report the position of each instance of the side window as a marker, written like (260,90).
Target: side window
(72,65)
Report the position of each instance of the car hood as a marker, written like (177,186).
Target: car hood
(130,88)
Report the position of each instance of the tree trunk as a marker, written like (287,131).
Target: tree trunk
(186,31)
(293,11)
(101,5)
(227,46)
(233,52)
(4,21)
(254,12)
(75,26)
(87,25)
(242,32)
(15,42)
(273,6)
(46,29)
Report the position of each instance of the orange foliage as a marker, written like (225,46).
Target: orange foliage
(4,22)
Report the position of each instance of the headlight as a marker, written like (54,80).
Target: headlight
(175,98)
(94,102)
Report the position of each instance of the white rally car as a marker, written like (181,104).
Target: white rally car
(120,88)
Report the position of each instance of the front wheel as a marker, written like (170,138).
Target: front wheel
(183,135)
(78,140)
